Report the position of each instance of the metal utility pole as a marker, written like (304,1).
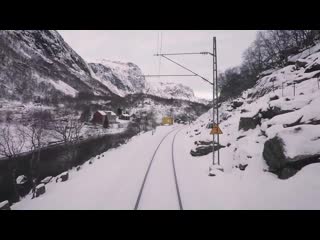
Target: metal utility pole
(215,88)
(215,69)
(213,104)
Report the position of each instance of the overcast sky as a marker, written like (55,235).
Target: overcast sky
(139,46)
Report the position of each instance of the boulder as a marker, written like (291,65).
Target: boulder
(301,63)
(244,111)
(275,97)
(204,150)
(247,123)
(273,111)
(203,143)
(240,137)
(306,77)
(295,123)
(314,67)
(229,109)
(46,180)
(78,168)
(5,205)
(63,177)
(21,180)
(243,167)
(40,190)
(287,172)
(275,155)
(236,104)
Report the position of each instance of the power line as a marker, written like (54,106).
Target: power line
(171,75)
(187,69)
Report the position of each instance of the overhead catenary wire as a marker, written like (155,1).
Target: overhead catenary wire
(188,53)
(186,69)
(160,50)
(172,75)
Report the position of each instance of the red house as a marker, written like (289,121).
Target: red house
(99,117)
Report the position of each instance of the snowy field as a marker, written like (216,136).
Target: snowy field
(113,181)
(21,115)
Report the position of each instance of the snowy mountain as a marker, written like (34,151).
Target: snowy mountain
(127,78)
(120,78)
(40,63)
(172,90)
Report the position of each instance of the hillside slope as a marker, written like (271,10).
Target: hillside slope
(40,63)
(275,125)
(120,78)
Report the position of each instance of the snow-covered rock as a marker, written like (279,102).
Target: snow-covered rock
(47,180)
(304,53)
(121,78)
(4,205)
(22,179)
(40,190)
(62,177)
(293,148)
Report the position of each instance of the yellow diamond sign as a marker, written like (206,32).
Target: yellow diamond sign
(215,130)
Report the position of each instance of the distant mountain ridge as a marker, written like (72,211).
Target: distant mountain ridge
(39,63)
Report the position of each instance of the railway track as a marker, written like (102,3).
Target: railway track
(140,195)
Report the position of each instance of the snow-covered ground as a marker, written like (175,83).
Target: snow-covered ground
(111,182)
(21,116)
(236,189)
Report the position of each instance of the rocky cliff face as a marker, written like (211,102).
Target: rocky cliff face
(40,63)
(121,78)
(274,126)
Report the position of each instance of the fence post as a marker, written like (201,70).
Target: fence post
(294,89)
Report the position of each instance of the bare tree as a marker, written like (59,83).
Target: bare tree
(150,120)
(11,145)
(69,132)
(35,133)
